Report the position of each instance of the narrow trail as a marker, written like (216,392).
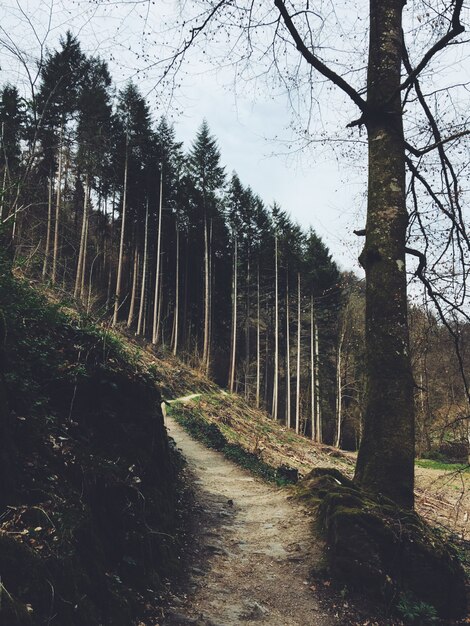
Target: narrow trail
(256,551)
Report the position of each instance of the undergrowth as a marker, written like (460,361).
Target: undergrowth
(88,516)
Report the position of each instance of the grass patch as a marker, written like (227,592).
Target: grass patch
(442,465)
(211,435)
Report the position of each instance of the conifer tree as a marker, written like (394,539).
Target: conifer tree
(12,121)
(208,177)
(57,101)
(134,149)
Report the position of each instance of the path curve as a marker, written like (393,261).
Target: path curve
(256,552)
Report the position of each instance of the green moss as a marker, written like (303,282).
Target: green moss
(211,435)
(443,465)
(382,549)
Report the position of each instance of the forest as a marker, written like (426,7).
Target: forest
(100,201)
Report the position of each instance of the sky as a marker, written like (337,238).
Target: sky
(252,129)
(322,185)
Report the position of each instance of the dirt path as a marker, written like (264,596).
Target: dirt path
(256,550)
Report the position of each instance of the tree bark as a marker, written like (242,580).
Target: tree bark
(386,455)
(288,386)
(143,286)
(80,263)
(55,253)
(318,416)
(48,232)
(156,301)
(258,346)
(117,295)
(276,334)
(85,245)
(205,349)
(247,330)
(233,356)
(312,370)
(339,383)
(177,295)
(135,273)
(297,382)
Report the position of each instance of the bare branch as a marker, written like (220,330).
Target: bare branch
(456,29)
(420,151)
(313,60)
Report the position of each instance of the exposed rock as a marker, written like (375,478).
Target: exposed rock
(253,611)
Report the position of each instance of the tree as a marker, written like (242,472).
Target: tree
(208,175)
(12,119)
(93,135)
(57,101)
(386,457)
(134,148)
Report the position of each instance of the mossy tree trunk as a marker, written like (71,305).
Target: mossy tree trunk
(386,456)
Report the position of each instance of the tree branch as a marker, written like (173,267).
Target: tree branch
(456,29)
(315,62)
(420,151)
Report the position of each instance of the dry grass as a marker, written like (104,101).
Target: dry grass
(442,497)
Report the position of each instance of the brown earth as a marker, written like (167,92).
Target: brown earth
(255,560)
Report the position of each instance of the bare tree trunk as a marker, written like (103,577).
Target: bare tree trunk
(207,361)
(156,303)
(15,236)
(312,370)
(4,191)
(48,232)
(80,264)
(117,295)
(110,259)
(90,283)
(159,313)
(297,390)
(55,253)
(233,358)
(385,462)
(85,248)
(288,385)
(136,265)
(205,349)
(177,294)
(143,286)
(258,346)
(318,416)
(339,384)
(276,335)
(247,330)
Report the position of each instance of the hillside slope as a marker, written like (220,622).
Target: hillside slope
(89,502)
(442,493)
(90,493)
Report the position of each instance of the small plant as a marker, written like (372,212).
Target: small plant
(416,612)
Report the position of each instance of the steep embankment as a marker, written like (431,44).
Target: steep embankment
(88,496)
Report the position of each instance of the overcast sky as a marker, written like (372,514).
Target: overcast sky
(252,128)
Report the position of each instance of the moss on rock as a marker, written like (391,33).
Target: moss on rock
(382,549)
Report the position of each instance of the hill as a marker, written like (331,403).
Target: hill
(90,490)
